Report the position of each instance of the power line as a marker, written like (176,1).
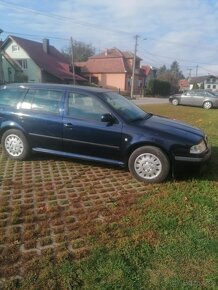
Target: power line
(178,43)
(34,35)
(64,18)
(61,18)
(210,71)
(88,24)
(154,60)
(179,59)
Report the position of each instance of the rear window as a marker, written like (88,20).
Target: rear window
(11,97)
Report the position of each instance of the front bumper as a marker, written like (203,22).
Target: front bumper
(184,163)
(195,160)
(188,166)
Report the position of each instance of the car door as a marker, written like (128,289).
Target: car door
(198,98)
(39,116)
(84,133)
(187,98)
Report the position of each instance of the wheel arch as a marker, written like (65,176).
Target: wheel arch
(150,165)
(135,146)
(10,126)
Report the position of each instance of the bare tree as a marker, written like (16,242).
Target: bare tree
(81,51)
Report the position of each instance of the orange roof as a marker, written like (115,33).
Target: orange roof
(183,83)
(146,69)
(110,61)
(104,66)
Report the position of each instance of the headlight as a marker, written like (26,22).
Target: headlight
(199,148)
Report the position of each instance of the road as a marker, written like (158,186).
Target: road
(143,101)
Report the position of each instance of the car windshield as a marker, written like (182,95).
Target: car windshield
(125,108)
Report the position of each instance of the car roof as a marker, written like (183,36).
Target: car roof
(198,91)
(56,86)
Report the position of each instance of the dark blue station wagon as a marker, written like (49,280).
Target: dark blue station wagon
(95,124)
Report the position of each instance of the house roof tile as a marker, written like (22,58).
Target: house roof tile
(146,69)
(104,66)
(199,79)
(110,61)
(183,83)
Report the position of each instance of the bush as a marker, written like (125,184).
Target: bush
(158,87)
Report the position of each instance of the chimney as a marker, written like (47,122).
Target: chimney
(45,45)
(106,52)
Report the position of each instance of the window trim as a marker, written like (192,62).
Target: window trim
(15,47)
(23,63)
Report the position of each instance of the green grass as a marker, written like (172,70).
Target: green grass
(167,239)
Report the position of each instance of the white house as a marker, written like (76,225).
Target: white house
(25,60)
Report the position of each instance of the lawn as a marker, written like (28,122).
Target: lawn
(72,225)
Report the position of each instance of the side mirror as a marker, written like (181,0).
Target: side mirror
(107,118)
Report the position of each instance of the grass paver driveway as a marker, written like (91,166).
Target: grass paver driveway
(49,204)
(66,224)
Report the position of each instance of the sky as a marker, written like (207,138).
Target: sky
(168,30)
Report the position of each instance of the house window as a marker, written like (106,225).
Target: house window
(208,86)
(139,83)
(137,64)
(14,47)
(23,63)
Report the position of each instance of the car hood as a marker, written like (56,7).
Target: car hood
(175,95)
(172,127)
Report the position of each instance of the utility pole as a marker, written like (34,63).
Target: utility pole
(196,70)
(190,72)
(133,68)
(72,60)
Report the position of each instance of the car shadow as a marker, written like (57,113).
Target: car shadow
(36,156)
(206,172)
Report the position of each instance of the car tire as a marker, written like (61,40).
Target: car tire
(175,102)
(207,105)
(149,164)
(15,144)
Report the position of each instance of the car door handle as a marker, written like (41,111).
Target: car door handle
(68,125)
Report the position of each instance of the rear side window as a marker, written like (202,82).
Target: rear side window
(43,101)
(11,97)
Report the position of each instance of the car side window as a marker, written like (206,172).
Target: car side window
(44,101)
(190,93)
(85,107)
(11,97)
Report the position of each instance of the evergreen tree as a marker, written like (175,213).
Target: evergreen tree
(171,75)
